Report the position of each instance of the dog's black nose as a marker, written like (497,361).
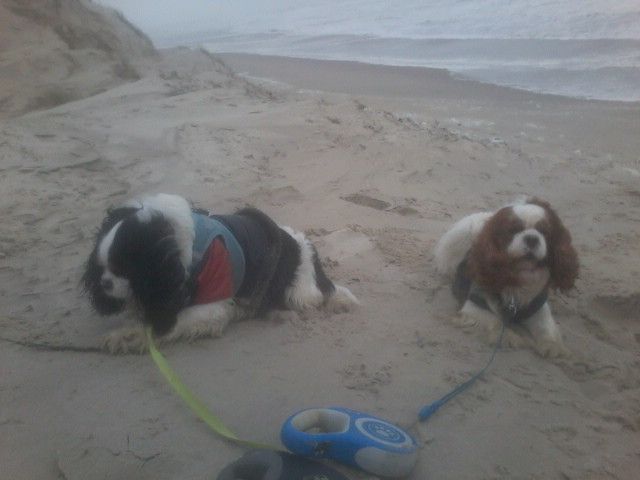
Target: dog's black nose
(106,284)
(531,241)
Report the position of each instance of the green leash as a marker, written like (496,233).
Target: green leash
(198,407)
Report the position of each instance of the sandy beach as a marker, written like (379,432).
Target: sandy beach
(374,163)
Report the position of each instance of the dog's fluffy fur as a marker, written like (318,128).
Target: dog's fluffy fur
(512,254)
(142,258)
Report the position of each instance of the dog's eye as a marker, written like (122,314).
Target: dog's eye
(543,228)
(514,230)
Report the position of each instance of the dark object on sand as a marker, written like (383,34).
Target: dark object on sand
(270,465)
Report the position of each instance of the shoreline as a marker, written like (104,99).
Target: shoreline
(282,67)
(507,113)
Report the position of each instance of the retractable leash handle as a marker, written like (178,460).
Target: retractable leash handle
(353,438)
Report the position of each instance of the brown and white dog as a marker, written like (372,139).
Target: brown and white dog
(503,265)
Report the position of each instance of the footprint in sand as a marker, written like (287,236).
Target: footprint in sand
(367,201)
(277,196)
(377,204)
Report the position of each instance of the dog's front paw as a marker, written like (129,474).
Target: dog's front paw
(512,339)
(196,323)
(126,340)
(550,348)
(197,329)
(465,320)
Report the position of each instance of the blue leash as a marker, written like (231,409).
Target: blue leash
(432,408)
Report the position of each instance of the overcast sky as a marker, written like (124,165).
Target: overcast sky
(153,15)
(388,18)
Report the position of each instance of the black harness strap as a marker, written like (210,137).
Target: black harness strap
(515,313)
(464,289)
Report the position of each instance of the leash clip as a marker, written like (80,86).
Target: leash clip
(512,307)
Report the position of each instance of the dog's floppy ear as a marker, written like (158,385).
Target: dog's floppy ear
(102,303)
(563,258)
(158,277)
(488,264)
(114,215)
(90,281)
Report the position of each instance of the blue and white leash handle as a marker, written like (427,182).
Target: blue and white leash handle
(353,438)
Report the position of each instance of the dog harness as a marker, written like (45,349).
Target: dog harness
(218,263)
(465,289)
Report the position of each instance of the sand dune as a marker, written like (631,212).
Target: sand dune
(57,51)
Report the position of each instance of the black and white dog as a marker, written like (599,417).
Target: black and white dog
(190,273)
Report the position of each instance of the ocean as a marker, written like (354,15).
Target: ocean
(578,48)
